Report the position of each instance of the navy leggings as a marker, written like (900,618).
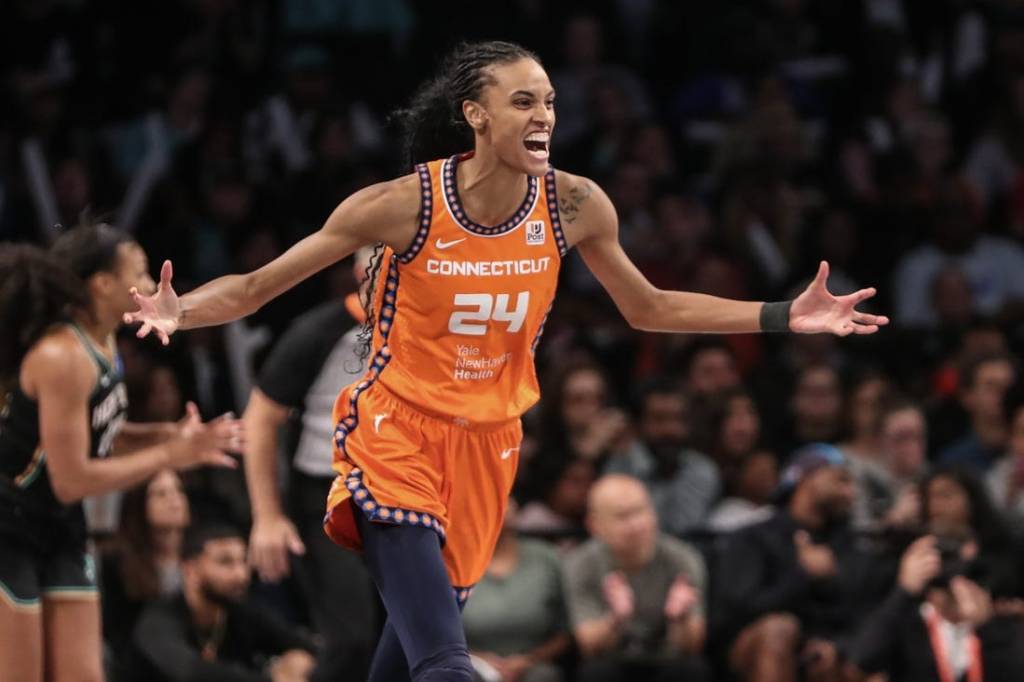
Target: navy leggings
(423,639)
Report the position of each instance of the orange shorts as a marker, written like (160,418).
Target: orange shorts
(401,466)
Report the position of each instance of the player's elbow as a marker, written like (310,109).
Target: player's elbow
(644,314)
(65,489)
(254,294)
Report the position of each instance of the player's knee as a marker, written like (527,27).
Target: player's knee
(450,664)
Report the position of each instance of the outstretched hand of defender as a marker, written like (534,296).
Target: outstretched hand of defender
(159,313)
(816,310)
(206,443)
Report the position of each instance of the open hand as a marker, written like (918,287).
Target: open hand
(682,597)
(919,565)
(816,310)
(272,540)
(973,602)
(207,443)
(619,596)
(817,560)
(159,313)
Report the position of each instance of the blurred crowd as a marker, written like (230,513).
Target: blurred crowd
(750,507)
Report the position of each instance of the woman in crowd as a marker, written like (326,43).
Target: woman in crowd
(516,622)
(146,560)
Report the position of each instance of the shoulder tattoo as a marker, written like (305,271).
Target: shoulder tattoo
(569,206)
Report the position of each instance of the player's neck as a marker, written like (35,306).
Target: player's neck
(490,191)
(97,326)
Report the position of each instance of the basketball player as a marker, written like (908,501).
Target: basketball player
(63,405)
(427,442)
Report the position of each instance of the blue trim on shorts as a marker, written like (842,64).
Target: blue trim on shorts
(399,516)
(462,595)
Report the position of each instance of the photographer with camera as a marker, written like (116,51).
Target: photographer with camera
(937,624)
(953,614)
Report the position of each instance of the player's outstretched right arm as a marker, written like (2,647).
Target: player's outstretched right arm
(385,212)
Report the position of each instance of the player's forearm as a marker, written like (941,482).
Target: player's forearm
(683,311)
(261,474)
(99,476)
(137,435)
(261,459)
(224,299)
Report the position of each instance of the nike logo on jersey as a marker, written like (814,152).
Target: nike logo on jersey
(505,454)
(447,245)
(377,420)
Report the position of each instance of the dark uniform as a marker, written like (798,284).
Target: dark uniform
(43,542)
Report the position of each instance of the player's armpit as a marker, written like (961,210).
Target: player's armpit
(591,224)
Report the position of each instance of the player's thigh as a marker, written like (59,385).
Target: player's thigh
(73,640)
(21,640)
(72,627)
(482,470)
(21,615)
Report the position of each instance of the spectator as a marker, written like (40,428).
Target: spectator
(794,584)
(146,562)
(816,408)
(210,632)
(559,511)
(1006,477)
(749,485)
(984,381)
(682,483)
(937,625)
(516,621)
(584,43)
(994,266)
(732,426)
(956,508)
(709,366)
(636,597)
(579,420)
(886,481)
(863,399)
(297,387)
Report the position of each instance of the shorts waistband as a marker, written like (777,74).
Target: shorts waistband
(447,420)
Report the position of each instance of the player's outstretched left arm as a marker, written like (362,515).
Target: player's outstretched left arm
(590,222)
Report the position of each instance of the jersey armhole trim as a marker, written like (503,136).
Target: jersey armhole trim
(556,221)
(425,216)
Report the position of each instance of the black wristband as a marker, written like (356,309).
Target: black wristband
(775,316)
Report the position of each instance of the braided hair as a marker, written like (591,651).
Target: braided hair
(433,126)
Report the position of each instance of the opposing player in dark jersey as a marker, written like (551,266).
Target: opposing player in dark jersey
(63,408)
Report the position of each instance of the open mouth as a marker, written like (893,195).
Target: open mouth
(537,145)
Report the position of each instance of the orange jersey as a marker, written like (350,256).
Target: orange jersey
(460,313)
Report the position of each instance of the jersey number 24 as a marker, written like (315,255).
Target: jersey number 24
(481,308)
